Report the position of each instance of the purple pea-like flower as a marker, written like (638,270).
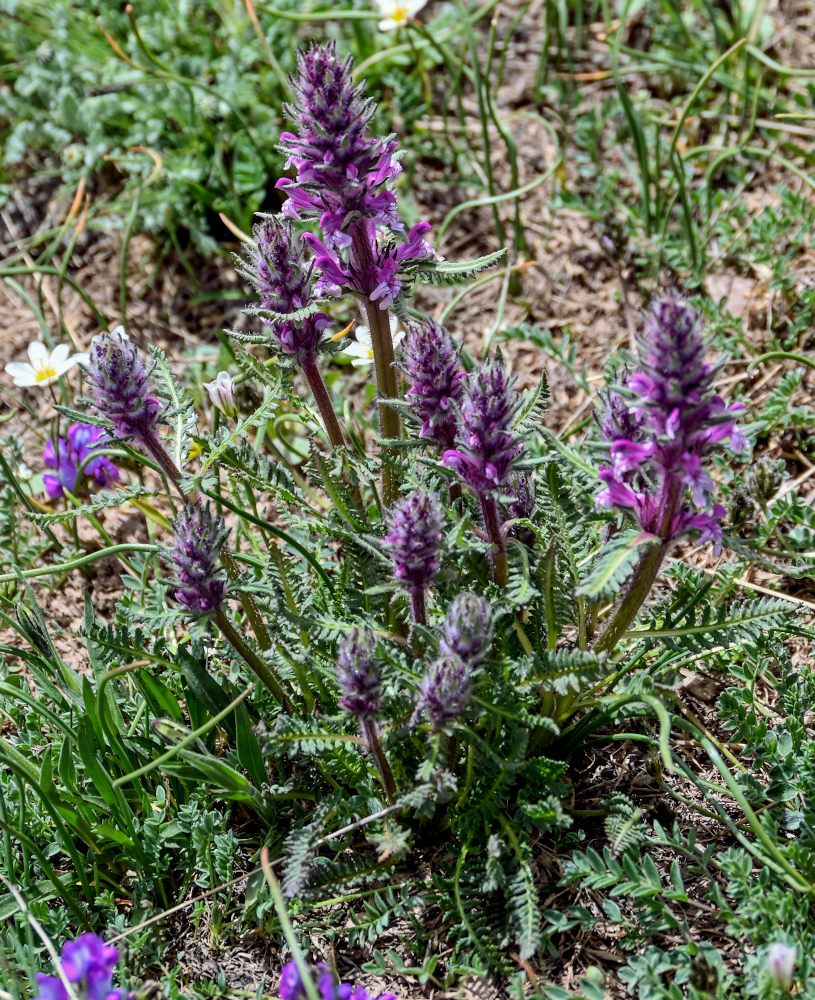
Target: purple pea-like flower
(292,988)
(120,385)
(414,539)
(432,365)
(661,423)
(358,674)
(468,629)
(70,456)
(199,537)
(487,449)
(87,963)
(446,689)
(274,263)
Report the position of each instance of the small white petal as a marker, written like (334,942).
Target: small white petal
(59,355)
(18,368)
(38,354)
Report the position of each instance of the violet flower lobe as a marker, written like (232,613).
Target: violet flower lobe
(662,424)
(433,368)
(358,673)
(487,449)
(199,537)
(274,263)
(120,386)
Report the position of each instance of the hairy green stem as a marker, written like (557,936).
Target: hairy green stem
(492,522)
(382,344)
(318,389)
(236,640)
(644,575)
(371,735)
(418,606)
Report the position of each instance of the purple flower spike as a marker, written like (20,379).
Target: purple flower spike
(432,365)
(486,447)
(414,539)
(199,538)
(661,423)
(120,384)
(468,629)
(342,171)
(358,674)
(274,263)
(446,690)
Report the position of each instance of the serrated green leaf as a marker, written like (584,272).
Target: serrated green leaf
(614,566)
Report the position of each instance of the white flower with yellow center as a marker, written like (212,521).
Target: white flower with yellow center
(43,366)
(361,350)
(396,12)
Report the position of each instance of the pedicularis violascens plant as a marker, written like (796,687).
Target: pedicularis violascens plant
(431,612)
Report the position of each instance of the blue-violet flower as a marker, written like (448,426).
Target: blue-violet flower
(88,964)
(71,456)
(661,423)
(199,537)
(292,988)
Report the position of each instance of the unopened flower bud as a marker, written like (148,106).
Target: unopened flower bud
(781,959)
(447,688)
(120,385)
(764,478)
(414,539)
(199,538)
(222,393)
(468,629)
(358,674)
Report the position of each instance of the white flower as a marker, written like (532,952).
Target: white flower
(361,350)
(222,393)
(45,366)
(396,12)
(781,960)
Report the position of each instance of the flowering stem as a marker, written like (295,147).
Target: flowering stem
(489,509)
(235,639)
(417,604)
(371,735)
(382,344)
(318,388)
(645,574)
